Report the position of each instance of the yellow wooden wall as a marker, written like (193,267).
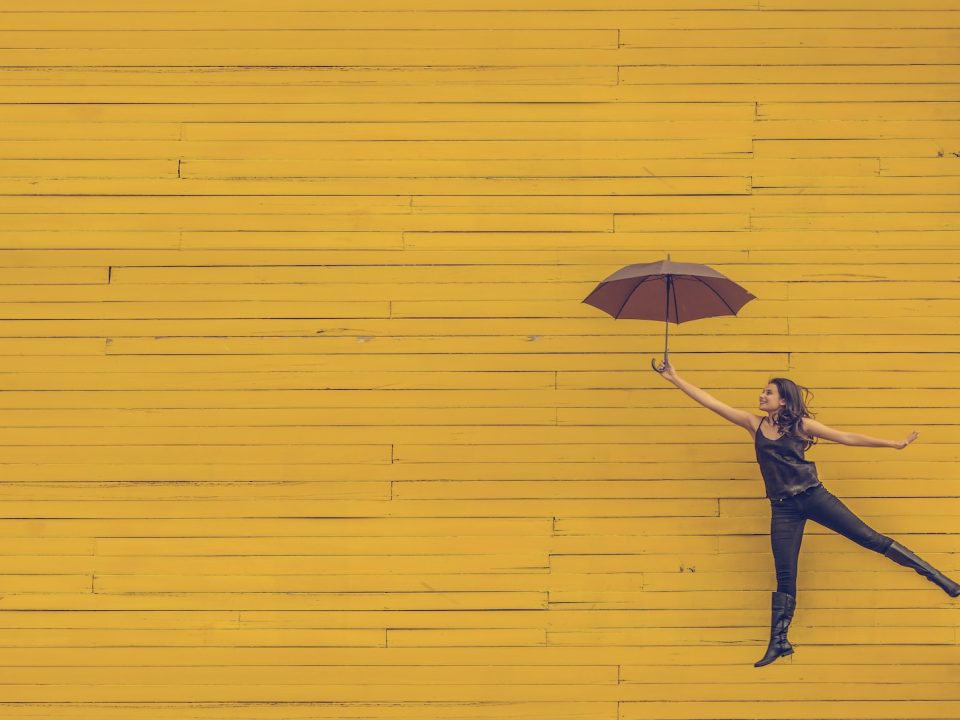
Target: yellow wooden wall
(304,416)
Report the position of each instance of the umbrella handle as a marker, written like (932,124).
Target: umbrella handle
(653,364)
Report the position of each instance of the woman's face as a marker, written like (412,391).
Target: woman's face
(770,399)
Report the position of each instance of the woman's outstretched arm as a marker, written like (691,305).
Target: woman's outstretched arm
(813,427)
(737,417)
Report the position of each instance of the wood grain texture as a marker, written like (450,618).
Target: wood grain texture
(304,416)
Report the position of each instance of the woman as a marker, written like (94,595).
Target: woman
(796,494)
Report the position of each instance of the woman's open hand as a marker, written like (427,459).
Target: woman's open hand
(910,438)
(665,368)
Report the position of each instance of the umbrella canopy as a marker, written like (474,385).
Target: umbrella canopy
(669,291)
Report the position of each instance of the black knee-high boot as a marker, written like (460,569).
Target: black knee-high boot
(783,606)
(901,555)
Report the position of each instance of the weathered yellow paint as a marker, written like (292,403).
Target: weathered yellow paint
(304,415)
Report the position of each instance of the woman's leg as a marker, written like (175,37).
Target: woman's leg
(824,507)
(786,535)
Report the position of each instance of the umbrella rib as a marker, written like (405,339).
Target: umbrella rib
(715,293)
(676,308)
(630,295)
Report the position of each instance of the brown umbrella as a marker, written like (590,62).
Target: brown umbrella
(676,292)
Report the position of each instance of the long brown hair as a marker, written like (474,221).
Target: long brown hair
(789,415)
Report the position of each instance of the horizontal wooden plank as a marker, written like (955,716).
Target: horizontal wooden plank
(631,564)
(910,167)
(561,620)
(294,707)
(763,37)
(769,336)
(710,674)
(333,187)
(513,562)
(329,527)
(467,19)
(522,637)
(253,279)
(907,297)
(867,112)
(348,674)
(815,657)
(827,709)
(388,221)
(608,368)
(589,57)
(140,168)
(683,199)
(48,118)
(601,488)
(48,311)
(733,657)
(660,399)
(294,480)
(853,74)
(665,165)
(182,104)
(386,5)
(856,5)
(551,81)
(472,675)
(523,536)
(887,186)
(877,222)
(671,156)
(331,67)
(249,39)
(698,512)
(201,172)
(319,546)
(365,54)
(232,118)
(356,142)
(884,148)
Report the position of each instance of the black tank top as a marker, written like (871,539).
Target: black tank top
(785,471)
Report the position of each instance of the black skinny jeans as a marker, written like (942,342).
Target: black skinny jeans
(788,517)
